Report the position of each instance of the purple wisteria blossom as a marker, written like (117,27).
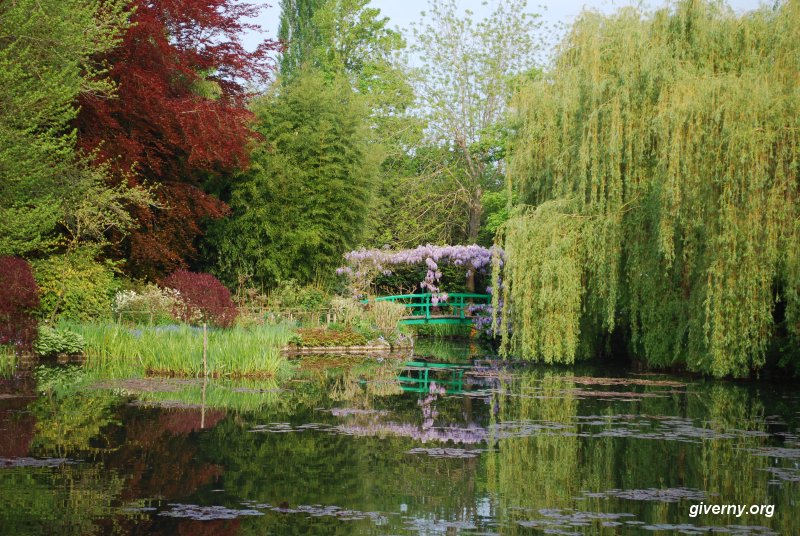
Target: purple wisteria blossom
(364,264)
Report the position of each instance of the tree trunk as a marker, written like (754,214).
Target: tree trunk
(475,213)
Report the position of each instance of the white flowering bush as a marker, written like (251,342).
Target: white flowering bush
(151,304)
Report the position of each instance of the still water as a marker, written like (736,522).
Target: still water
(384,447)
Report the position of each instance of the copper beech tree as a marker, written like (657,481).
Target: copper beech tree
(177,120)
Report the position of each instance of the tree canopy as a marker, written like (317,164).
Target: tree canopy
(657,168)
(178,120)
(304,201)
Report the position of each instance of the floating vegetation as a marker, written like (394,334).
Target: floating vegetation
(786,474)
(34,462)
(565,522)
(448,452)
(207,513)
(685,528)
(777,452)
(668,495)
(590,380)
(317,510)
(346,412)
(554,521)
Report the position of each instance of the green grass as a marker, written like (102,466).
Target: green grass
(442,330)
(121,351)
(8,362)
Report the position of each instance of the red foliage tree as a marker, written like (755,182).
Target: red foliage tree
(204,297)
(19,296)
(179,117)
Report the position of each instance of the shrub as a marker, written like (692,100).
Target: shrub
(75,286)
(348,311)
(386,315)
(151,304)
(203,298)
(290,295)
(56,341)
(18,299)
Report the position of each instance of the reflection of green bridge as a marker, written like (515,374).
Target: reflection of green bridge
(422,309)
(417,377)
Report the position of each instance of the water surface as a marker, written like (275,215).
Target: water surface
(481,448)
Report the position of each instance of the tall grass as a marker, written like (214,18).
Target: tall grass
(122,351)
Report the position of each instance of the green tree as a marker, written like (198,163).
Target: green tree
(468,72)
(298,32)
(658,165)
(304,201)
(46,61)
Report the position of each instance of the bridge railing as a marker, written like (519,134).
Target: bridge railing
(422,306)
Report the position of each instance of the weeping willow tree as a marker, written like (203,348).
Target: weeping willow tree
(658,164)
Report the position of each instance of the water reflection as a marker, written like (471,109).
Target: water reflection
(354,450)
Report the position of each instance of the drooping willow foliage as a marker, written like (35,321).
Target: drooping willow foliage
(659,163)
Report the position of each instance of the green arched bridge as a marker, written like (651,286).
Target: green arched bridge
(422,310)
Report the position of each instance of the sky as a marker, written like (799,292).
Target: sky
(402,13)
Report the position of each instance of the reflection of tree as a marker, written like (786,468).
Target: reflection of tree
(539,470)
(67,500)
(73,423)
(730,467)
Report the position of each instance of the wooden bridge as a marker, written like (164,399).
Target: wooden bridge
(422,309)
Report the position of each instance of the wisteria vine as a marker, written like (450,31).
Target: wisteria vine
(363,265)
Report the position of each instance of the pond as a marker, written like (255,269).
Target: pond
(381,446)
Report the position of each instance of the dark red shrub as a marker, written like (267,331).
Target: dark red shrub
(19,296)
(204,298)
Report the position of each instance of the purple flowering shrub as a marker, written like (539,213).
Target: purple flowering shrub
(423,269)
(365,265)
(202,298)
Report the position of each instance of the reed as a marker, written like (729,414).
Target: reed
(122,351)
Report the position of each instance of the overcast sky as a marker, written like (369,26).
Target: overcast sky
(402,12)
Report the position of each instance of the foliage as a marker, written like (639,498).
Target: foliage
(202,298)
(288,295)
(76,286)
(386,316)
(18,300)
(304,201)
(298,32)
(464,83)
(120,351)
(57,341)
(150,304)
(660,162)
(178,120)
(364,265)
(48,60)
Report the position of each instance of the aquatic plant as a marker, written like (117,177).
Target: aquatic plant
(121,351)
